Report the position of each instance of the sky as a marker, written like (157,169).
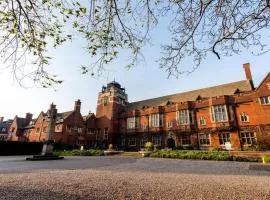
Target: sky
(144,81)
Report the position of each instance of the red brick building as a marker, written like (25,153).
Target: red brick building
(17,127)
(206,118)
(69,127)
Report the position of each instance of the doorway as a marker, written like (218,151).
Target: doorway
(171,143)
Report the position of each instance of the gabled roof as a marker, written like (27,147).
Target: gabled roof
(219,90)
(86,117)
(61,116)
(263,81)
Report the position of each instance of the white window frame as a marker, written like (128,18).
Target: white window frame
(225,139)
(245,139)
(265,100)
(219,113)
(184,117)
(133,122)
(156,120)
(204,134)
(79,130)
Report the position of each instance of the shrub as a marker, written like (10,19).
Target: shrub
(76,152)
(148,146)
(201,155)
(266,159)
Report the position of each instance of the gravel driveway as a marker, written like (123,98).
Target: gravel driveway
(131,178)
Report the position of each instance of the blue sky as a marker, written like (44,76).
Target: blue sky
(146,80)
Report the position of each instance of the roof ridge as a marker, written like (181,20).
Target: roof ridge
(196,90)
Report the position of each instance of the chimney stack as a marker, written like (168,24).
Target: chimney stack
(1,119)
(28,118)
(77,106)
(247,71)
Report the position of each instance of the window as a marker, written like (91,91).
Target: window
(219,113)
(156,139)
(224,137)
(156,120)
(186,140)
(143,140)
(105,136)
(170,124)
(68,128)
(4,130)
(204,139)
(144,126)
(98,133)
(91,131)
(184,117)
(133,122)
(132,141)
(79,130)
(37,130)
(202,120)
(265,100)
(244,117)
(105,100)
(44,129)
(248,138)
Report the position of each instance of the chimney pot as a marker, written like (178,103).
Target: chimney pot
(1,119)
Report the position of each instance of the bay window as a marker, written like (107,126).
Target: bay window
(156,120)
(133,122)
(219,113)
(184,117)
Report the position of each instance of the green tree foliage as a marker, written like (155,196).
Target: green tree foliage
(29,27)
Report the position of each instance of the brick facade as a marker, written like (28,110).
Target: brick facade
(201,119)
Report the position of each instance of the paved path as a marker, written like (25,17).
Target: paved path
(130,178)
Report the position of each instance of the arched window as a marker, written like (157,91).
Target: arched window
(244,117)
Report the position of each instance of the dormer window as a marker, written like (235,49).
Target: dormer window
(265,100)
(202,120)
(244,117)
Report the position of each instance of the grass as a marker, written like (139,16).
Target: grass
(201,155)
(76,152)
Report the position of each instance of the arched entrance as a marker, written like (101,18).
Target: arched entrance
(171,143)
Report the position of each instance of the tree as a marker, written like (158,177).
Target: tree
(222,27)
